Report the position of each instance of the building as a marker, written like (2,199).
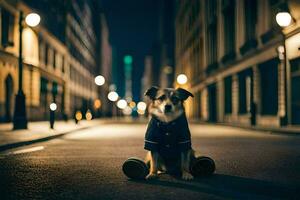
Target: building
(83,43)
(61,57)
(232,53)
(163,49)
(105,68)
(147,77)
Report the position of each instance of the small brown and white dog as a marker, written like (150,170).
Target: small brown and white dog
(168,138)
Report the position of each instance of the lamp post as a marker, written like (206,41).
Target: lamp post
(53,108)
(182,79)
(20,119)
(284,19)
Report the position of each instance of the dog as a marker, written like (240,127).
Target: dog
(168,139)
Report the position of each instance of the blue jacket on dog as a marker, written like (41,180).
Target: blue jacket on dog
(168,139)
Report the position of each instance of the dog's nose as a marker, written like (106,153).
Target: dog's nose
(168,108)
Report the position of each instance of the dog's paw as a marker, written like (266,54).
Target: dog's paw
(187,176)
(152,176)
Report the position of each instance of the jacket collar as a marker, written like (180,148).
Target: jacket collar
(176,121)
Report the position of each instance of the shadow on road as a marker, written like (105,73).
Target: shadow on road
(226,186)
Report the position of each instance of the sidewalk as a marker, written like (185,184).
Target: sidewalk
(39,131)
(292,130)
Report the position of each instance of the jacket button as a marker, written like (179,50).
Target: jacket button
(168,146)
(167,133)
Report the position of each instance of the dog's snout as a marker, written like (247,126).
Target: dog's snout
(168,108)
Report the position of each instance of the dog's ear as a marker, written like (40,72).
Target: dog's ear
(184,94)
(151,92)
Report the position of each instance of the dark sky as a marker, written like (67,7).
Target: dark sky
(133,26)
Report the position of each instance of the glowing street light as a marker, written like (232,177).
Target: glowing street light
(78,116)
(283,19)
(141,112)
(182,79)
(142,106)
(122,104)
(97,103)
(132,104)
(32,19)
(88,115)
(127,110)
(53,106)
(113,96)
(99,80)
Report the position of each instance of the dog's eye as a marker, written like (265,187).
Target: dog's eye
(175,99)
(162,97)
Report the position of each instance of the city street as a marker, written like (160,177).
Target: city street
(87,164)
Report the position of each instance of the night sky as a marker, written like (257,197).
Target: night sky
(133,26)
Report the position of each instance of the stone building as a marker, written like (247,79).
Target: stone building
(232,54)
(61,57)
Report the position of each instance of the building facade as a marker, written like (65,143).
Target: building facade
(162,51)
(105,65)
(232,52)
(60,62)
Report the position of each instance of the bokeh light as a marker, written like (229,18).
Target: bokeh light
(127,110)
(88,115)
(97,103)
(99,80)
(78,116)
(142,106)
(122,104)
(113,96)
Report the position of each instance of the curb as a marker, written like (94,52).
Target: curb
(43,139)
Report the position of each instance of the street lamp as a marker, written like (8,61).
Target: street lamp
(99,80)
(182,79)
(142,106)
(53,108)
(122,104)
(112,96)
(32,19)
(127,110)
(284,19)
(20,119)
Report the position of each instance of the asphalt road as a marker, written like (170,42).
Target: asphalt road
(87,165)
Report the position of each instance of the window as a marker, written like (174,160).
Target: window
(228,9)
(54,59)
(250,8)
(228,94)
(7,26)
(63,64)
(244,90)
(212,34)
(46,54)
(269,87)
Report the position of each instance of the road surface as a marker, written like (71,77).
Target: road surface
(87,165)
